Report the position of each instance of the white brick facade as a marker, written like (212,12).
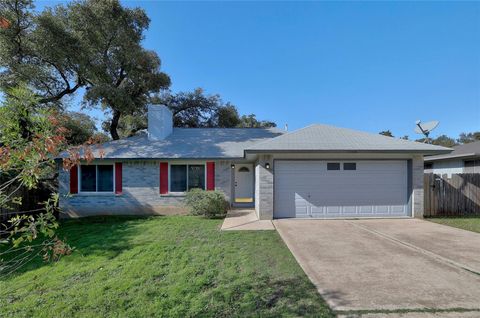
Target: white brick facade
(140,193)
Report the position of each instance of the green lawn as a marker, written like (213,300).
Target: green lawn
(165,267)
(470,224)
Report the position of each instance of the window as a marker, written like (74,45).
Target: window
(105,178)
(186,177)
(88,180)
(471,166)
(349,166)
(178,176)
(333,166)
(196,177)
(243,169)
(96,178)
(428,166)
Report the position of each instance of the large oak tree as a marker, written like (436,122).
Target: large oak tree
(95,44)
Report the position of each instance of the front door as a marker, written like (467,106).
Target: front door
(243,183)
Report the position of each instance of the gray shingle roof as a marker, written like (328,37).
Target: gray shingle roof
(462,151)
(187,143)
(213,143)
(334,139)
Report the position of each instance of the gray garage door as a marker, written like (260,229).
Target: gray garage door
(336,189)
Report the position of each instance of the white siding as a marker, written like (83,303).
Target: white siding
(448,167)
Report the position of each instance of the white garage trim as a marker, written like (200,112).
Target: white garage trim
(307,189)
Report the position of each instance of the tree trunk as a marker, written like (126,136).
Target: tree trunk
(114,125)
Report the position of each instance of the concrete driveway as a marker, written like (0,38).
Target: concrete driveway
(387,264)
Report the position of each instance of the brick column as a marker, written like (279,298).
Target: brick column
(417,186)
(264,188)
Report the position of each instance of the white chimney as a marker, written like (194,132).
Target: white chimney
(160,122)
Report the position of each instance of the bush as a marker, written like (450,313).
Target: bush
(207,203)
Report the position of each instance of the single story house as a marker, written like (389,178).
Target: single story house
(318,171)
(463,159)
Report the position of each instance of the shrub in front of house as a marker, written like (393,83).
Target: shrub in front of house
(206,203)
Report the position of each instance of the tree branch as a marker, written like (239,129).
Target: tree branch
(61,94)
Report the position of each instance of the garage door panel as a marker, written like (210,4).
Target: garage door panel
(382,209)
(354,199)
(365,209)
(398,209)
(334,209)
(349,210)
(375,188)
(317,210)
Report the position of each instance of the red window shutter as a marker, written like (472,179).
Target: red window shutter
(210,175)
(74,180)
(163,177)
(118,178)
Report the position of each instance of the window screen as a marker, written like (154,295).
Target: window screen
(178,178)
(349,166)
(105,178)
(96,178)
(196,177)
(333,166)
(88,178)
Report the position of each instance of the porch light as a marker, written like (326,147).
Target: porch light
(232,166)
(267,165)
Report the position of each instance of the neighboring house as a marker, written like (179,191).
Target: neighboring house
(316,172)
(463,159)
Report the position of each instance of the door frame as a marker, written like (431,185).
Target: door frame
(252,169)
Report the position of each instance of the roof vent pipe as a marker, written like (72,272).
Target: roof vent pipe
(286,127)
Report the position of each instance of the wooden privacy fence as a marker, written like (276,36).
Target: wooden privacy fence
(457,195)
(32,201)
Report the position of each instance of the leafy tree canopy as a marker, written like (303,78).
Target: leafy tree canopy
(94,44)
(193,109)
(442,140)
(466,138)
(80,128)
(24,161)
(251,121)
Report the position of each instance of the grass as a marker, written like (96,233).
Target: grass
(466,223)
(164,267)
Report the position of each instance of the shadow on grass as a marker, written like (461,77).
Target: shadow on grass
(269,297)
(291,297)
(186,267)
(106,236)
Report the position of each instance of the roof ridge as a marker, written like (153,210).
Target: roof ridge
(283,135)
(264,128)
(323,136)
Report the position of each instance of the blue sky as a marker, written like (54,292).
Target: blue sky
(364,65)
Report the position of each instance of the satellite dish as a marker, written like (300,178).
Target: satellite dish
(425,128)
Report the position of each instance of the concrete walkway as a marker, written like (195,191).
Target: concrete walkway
(245,220)
(388,264)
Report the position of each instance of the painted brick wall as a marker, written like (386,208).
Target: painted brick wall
(417,186)
(141,180)
(264,188)
(223,178)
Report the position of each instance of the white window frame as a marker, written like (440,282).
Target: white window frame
(79,169)
(180,163)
